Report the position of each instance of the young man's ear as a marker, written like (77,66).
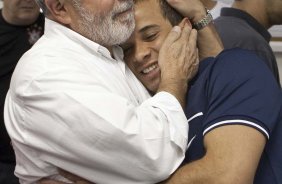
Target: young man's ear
(58,11)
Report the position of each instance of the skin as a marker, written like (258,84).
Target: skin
(142,49)
(266,12)
(273,9)
(20,12)
(89,18)
(209,43)
(210,4)
(65,13)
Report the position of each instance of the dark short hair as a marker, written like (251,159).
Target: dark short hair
(167,11)
(170,13)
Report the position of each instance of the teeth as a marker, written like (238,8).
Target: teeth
(147,70)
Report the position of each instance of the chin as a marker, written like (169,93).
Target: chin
(153,89)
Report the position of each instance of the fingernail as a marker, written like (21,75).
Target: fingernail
(176,29)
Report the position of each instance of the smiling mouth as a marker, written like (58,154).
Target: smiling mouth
(149,69)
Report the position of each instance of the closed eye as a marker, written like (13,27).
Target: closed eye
(150,37)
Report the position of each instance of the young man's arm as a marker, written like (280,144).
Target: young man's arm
(238,121)
(209,42)
(232,156)
(238,152)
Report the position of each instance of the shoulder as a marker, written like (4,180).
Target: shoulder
(239,60)
(240,86)
(236,32)
(236,69)
(229,23)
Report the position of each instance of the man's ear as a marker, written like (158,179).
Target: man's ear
(58,11)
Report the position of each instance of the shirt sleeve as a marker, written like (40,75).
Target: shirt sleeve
(242,90)
(87,129)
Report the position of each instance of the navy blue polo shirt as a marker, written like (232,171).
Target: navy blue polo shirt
(237,88)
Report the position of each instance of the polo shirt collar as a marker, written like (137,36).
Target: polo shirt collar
(247,18)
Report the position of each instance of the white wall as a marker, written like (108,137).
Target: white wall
(279,62)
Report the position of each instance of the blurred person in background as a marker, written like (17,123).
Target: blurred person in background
(21,25)
(245,25)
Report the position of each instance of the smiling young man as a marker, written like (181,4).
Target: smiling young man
(233,104)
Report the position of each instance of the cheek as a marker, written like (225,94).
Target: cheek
(99,6)
(159,42)
(107,6)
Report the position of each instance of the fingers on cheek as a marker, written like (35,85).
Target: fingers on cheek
(195,56)
(187,32)
(193,38)
(194,33)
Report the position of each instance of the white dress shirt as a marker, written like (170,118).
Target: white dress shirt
(71,106)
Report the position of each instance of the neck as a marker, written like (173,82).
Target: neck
(256,11)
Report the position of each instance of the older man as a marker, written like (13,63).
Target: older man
(72,105)
(21,25)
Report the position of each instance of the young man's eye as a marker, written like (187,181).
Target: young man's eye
(151,37)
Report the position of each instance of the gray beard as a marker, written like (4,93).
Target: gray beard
(107,29)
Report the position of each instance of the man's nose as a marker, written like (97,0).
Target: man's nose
(142,52)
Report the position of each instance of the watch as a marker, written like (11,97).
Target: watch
(204,21)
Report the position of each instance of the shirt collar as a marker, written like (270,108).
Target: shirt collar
(54,28)
(249,19)
(119,56)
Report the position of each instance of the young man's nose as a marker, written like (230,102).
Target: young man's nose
(142,53)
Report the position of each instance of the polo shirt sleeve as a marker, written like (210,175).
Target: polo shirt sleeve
(243,91)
